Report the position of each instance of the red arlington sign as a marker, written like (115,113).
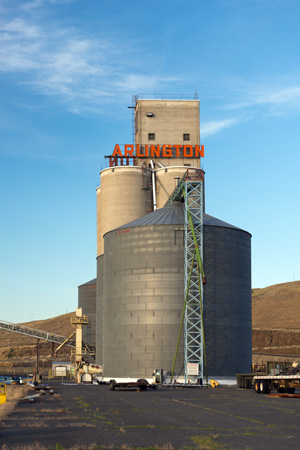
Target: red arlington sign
(159,151)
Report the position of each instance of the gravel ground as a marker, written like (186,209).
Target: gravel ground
(93,417)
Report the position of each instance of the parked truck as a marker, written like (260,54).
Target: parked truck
(285,382)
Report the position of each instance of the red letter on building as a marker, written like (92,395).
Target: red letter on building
(177,147)
(199,151)
(137,151)
(155,151)
(185,147)
(117,151)
(167,151)
(129,150)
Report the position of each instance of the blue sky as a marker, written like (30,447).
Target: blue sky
(68,70)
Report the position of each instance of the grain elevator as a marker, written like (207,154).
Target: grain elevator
(136,302)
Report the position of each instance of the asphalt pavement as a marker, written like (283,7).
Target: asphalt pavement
(93,417)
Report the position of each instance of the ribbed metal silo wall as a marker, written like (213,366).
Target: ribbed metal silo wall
(227,300)
(142,300)
(99,311)
(87,301)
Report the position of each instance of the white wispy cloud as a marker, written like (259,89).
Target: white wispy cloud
(215,126)
(53,62)
(254,102)
(268,95)
(33,4)
(78,70)
(86,73)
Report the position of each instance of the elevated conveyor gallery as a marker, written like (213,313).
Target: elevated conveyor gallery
(44,335)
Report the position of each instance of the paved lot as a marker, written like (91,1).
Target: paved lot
(91,416)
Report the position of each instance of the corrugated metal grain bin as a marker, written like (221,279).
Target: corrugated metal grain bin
(140,296)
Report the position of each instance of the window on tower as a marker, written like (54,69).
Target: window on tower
(151,136)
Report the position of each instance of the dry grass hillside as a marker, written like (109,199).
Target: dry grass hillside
(18,350)
(277,307)
(276,320)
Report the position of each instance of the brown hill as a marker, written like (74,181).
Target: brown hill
(277,307)
(276,322)
(18,350)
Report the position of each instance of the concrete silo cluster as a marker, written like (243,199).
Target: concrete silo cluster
(135,304)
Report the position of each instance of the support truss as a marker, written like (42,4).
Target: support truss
(194,278)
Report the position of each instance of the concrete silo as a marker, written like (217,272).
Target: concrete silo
(123,196)
(166,181)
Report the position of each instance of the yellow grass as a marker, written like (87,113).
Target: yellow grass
(13,394)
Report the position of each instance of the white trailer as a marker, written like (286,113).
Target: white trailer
(282,383)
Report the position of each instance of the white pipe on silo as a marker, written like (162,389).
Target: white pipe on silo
(153,185)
